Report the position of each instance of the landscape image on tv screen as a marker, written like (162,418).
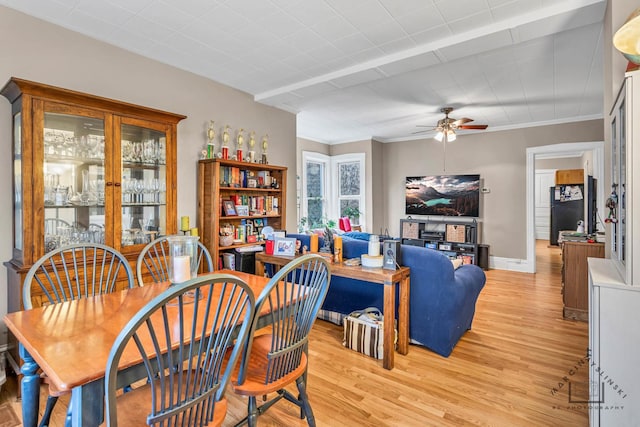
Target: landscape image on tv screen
(447,195)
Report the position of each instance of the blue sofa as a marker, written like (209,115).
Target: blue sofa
(442,300)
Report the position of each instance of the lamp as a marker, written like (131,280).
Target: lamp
(627,38)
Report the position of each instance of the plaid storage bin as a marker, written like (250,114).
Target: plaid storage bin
(363,332)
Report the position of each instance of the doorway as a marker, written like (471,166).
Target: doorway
(596,150)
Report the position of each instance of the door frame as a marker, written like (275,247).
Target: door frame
(560,150)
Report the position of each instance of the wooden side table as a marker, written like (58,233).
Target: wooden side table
(389,278)
(575,278)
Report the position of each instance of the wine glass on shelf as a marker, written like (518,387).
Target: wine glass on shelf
(100,191)
(137,152)
(162,153)
(126,150)
(155,186)
(138,188)
(126,186)
(49,142)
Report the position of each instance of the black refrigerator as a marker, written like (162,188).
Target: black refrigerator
(567,208)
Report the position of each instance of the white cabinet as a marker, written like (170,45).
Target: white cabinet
(614,283)
(614,343)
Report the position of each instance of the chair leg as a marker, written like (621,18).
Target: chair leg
(252,418)
(304,400)
(51,402)
(67,421)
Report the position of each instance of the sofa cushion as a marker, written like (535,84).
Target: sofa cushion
(360,235)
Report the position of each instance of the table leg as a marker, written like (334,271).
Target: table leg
(403,316)
(259,268)
(87,402)
(389,327)
(30,388)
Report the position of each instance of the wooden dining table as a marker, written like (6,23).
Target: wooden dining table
(71,341)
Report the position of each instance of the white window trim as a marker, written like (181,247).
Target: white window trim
(334,204)
(311,156)
(331,203)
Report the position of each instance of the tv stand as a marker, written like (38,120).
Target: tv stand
(454,238)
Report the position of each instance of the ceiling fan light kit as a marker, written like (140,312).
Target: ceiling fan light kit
(451,135)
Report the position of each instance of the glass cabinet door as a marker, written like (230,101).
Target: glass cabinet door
(74,180)
(143,183)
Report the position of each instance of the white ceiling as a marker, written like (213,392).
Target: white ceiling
(360,69)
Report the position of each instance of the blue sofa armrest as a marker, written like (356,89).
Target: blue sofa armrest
(442,299)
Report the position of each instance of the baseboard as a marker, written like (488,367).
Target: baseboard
(510,264)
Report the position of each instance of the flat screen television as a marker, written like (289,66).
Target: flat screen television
(446,195)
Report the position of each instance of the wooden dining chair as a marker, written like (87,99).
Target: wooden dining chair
(279,358)
(69,273)
(200,319)
(153,261)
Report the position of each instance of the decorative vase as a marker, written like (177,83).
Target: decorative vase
(226,240)
(183,258)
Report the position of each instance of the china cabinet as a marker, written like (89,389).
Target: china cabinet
(614,285)
(236,200)
(86,169)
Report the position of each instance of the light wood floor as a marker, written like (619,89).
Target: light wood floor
(501,373)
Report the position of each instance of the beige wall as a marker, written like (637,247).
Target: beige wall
(560,163)
(35,50)
(379,212)
(499,158)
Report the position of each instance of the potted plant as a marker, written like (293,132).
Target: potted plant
(352,212)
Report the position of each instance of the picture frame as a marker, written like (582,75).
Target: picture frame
(242,210)
(229,208)
(284,246)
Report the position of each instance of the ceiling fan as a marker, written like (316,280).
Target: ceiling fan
(447,130)
(447,127)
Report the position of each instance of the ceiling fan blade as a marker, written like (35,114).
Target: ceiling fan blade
(480,127)
(420,131)
(458,122)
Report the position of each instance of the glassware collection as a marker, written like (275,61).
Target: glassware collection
(74,182)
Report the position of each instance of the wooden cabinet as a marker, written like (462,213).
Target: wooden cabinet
(575,290)
(260,188)
(86,169)
(456,239)
(569,176)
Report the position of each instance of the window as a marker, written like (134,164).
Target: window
(349,188)
(314,188)
(332,187)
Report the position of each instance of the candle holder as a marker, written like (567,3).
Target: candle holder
(183,258)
